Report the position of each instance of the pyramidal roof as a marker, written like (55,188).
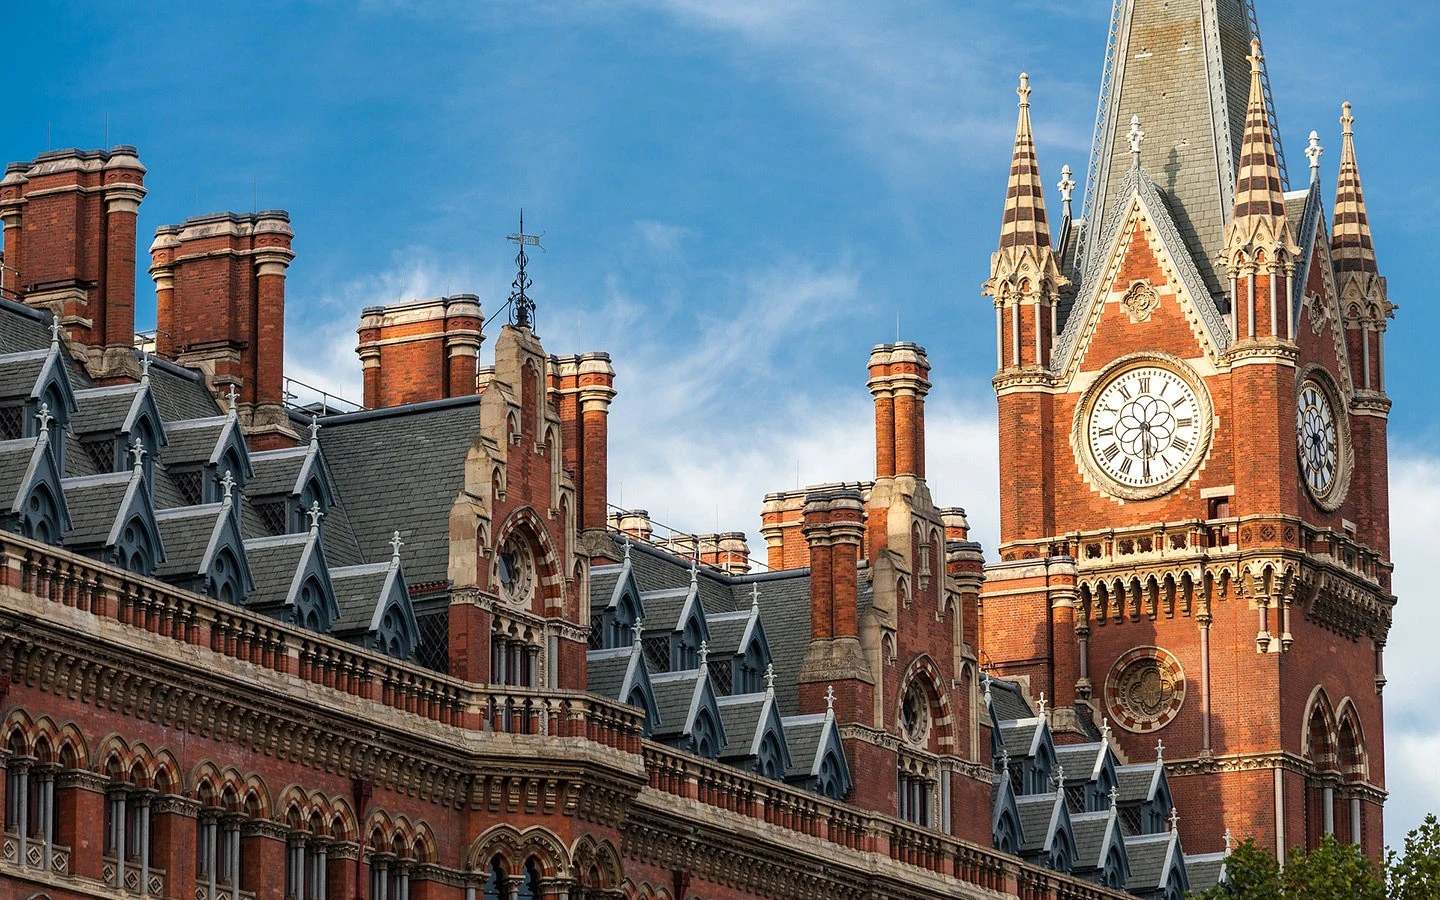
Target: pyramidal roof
(1182,66)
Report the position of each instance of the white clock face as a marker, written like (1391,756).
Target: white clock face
(1145,428)
(1318,440)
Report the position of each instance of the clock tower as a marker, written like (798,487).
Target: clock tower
(1194,513)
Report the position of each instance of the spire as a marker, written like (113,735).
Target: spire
(1351,243)
(1258,224)
(1024,224)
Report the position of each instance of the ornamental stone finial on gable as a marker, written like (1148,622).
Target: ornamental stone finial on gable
(1114,800)
(704,654)
(1067,186)
(1229,839)
(1136,136)
(1059,776)
(755,598)
(395,545)
(137,452)
(1105,731)
(144,367)
(315,516)
(769,679)
(1024,89)
(314,431)
(44,418)
(1313,153)
(830,700)
(627,548)
(1160,750)
(231,399)
(55,332)
(1174,819)
(1005,762)
(638,629)
(227,487)
(1041,704)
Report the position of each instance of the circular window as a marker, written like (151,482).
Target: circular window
(1145,689)
(915,713)
(516,565)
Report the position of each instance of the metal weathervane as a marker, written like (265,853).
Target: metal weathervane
(522,307)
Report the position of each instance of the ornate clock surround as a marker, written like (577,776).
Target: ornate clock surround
(1331,499)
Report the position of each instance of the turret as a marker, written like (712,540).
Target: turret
(1364,302)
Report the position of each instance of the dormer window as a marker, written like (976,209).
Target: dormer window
(191,484)
(12,422)
(101,452)
(272,516)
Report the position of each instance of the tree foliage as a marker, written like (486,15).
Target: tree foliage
(1416,875)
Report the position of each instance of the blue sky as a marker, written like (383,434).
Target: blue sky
(739,199)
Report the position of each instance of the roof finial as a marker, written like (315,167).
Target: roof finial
(395,545)
(1313,152)
(1136,136)
(1114,800)
(830,700)
(627,548)
(315,516)
(1067,188)
(1024,90)
(227,487)
(1229,839)
(1256,57)
(231,399)
(1059,775)
(1005,762)
(769,679)
(137,451)
(694,571)
(989,700)
(1105,730)
(1347,120)
(1160,750)
(55,329)
(314,431)
(522,308)
(44,418)
(755,599)
(704,654)
(1174,819)
(1041,704)
(144,366)
(638,629)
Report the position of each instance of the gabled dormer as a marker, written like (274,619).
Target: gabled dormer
(1029,750)
(1100,849)
(1144,797)
(113,519)
(755,734)
(1005,831)
(292,582)
(738,650)
(285,486)
(1157,866)
(205,551)
(375,610)
(1048,835)
(32,381)
(817,757)
(615,605)
(32,501)
(201,451)
(689,714)
(675,627)
(621,675)
(1089,775)
(110,421)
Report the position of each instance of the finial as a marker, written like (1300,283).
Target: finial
(137,451)
(1067,187)
(1255,55)
(627,548)
(1024,90)
(1174,819)
(1005,762)
(637,629)
(1105,730)
(769,679)
(314,431)
(44,418)
(1136,136)
(395,545)
(144,367)
(315,516)
(1160,750)
(755,598)
(55,332)
(830,700)
(1041,704)
(704,654)
(1114,800)
(989,700)
(1229,839)
(522,308)
(694,571)
(1059,775)
(231,399)
(1313,152)
(1347,121)
(227,487)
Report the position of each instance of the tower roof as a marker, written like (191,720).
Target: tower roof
(1024,224)
(1259,221)
(1351,245)
(1181,66)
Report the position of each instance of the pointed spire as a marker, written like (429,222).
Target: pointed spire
(1024,224)
(1258,222)
(1351,244)
(395,545)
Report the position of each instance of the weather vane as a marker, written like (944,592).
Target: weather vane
(522,308)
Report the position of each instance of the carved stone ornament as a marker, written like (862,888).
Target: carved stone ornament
(1140,301)
(1145,690)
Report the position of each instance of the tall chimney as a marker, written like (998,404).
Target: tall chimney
(69,221)
(835,529)
(899,381)
(583,385)
(420,350)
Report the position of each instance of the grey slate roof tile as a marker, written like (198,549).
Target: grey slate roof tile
(15,458)
(273,563)
(358,591)
(103,408)
(94,502)
(179,394)
(1148,854)
(740,716)
(186,532)
(802,737)
(193,441)
(674,694)
(605,671)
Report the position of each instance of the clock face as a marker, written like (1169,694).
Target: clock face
(1144,430)
(1318,440)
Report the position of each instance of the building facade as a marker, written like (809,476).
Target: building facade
(268,652)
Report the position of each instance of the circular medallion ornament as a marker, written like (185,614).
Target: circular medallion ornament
(1145,689)
(1321,441)
(915,714)
(1143,427)
(517,571)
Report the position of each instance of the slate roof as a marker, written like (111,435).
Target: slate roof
(727,633)
(194,440)
(1082,762)
(359,591)
(1020,738)
(179,393)
(603,580)
(1007,701)
(804,736)
(17,459)
(675,696)
(20,372)
(1092,835)
(276,471)
(24,328)
(741,717)
(273,564)
(1037,813)
(1204,870)
(605,671)
(94,503)
(1149,854)
(187,532)
(372,459)
(1137,782)
(105,408)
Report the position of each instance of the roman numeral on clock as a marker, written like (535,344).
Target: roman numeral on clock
(1145,385)
(1123,392)
(1180,444)
(1106,432)
(1185,422)
(1125,465)
(1111,452)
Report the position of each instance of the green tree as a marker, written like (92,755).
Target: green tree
(1251,873)
(1416,875)
(1332,871)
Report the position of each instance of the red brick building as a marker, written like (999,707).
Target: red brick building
(265,652)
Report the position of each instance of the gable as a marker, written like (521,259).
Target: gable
(1320,333)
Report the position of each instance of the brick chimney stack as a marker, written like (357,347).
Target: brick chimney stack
(834,528)
(420,350)
(220,296)
(782,522)
(899,381)
(69,222)
(582,386)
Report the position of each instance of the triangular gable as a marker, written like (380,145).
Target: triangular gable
(134,530)
(314,481)
(312,565)
(1005,831)
(50,386)
(42,474)
(637,686)
(1139,202)
(1320,310)
(221,569)
(821,766)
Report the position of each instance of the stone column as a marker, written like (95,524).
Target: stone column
(597,390)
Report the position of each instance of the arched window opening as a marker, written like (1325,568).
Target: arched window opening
(31,816)
(771,760)
(128,841)
(530,886)
(390,870)
(497,881)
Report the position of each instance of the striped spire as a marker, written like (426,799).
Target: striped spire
(1351,245)
(1024,224)
(1259,220)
